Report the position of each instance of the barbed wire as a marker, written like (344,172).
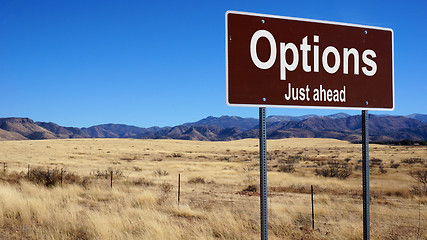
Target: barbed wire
(7,166)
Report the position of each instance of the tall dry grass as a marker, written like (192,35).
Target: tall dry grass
(143,201)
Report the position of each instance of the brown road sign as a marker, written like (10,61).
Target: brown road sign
(274,61)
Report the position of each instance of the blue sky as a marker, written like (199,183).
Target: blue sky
(162,63)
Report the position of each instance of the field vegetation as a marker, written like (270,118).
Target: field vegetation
(61,189)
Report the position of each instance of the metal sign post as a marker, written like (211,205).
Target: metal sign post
(263,172)
(365,174)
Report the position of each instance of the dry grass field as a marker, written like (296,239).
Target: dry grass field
(219,189)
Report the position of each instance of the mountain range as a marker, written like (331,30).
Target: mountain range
(382,128)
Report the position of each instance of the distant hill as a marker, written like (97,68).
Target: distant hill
(421,117)
(23,128)
(227,122)
(275,118)
(63,132)
(117,131)
(338,126)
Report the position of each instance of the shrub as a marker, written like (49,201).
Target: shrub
(413,161)
(142,182)
(165,189)
(382,170)
(419,175)
(394,165)
(106,173)
(116,172)
(85,182)
(137,169)
(160,173)
(294,158)
(70,178)
(251,188)
(100,173)
(196,180)
(49,177)
(287,168)
(12,177)
(375,161)
(419,190)
(335,168)
(129,158)
(41,176)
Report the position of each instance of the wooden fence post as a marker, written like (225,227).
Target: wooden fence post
(179,188)
(111,183)
(312,207)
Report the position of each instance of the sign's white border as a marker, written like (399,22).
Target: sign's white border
(304,20)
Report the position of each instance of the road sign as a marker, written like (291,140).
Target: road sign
(274,61)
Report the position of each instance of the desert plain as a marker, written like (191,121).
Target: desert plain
(63,189)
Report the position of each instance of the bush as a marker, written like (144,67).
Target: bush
(394,165)
(130,158)
(137,169)
(419,190)
(100,173)
(160,173)
(413,161)
(197,180)
(419,175)
(335,168)
(142,182)
(382,170)
(106,173)
(375,161)
(165,189)
(287,168)
(71,178)
(251,188)
(51,177)
(294,159)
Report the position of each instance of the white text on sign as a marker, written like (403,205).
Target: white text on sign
(368,56)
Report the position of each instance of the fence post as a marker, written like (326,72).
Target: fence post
(179,188)
(61,176)
(419,219)
(111,183)
(28,173)
(312,207)
(4,167)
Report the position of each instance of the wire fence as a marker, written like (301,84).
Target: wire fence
(409,214)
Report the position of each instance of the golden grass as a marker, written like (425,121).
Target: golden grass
(143,201)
